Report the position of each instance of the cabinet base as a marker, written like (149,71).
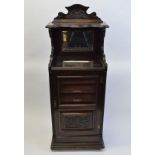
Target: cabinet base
(77,146)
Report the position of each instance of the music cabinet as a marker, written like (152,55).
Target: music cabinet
(77,76)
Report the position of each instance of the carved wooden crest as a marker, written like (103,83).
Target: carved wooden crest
(78,11)
(77,16)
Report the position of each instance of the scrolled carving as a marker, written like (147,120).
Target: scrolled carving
(76,14)
(77,11)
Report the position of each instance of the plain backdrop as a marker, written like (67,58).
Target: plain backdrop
(38,129)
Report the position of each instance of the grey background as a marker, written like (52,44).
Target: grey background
(38,130)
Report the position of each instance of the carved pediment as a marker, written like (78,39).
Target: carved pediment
(77,16)
(77,11)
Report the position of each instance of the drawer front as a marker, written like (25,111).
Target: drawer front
(78,98)
(77,90)
(82,88)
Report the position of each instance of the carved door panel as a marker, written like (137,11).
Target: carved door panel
(77,123)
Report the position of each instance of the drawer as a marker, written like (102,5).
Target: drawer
(85,88)
(78,98)
(78,81)
(77,90)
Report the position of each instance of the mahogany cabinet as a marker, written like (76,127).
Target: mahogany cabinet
(77,76)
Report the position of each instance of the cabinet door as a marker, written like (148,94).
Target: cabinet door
(76,110)
(77,123)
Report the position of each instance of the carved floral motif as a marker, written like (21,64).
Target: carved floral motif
(77,122)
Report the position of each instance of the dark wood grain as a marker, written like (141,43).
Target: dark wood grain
(77,93)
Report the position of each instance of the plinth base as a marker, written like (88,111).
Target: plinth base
(77,145)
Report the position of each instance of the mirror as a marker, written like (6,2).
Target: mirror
(77,40)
